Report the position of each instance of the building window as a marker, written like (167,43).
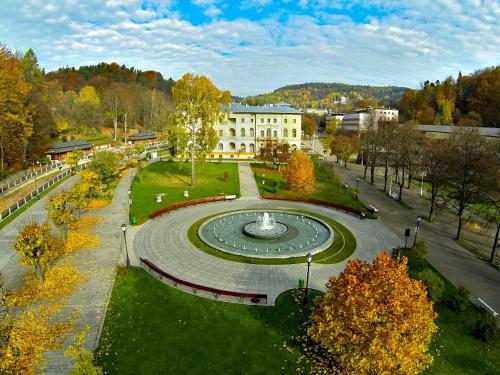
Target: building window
(251,120)
(252,133)
(268,133)
(242,132)
(275,133)
(232,146)
(220,147)
(285,133)
(275,120)
(261,120)
(268,120)
(262,133)
(294,133)
(285,120)
(294,120)
(252,147)
(232,132)
(243,148)
(242,120)
(221,133)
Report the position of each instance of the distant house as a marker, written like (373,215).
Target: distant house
(59,150)
(143,138)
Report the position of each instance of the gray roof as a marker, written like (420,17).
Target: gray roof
(141,135)
(487,132)
(69,146)
(268,108)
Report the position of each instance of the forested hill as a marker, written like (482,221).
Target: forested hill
(329,95)
(102,74)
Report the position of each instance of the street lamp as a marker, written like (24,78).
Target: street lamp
(357,187)
(416,230)
(124,230)
(309,260)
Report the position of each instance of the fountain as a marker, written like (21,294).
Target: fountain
(265,226)
(266,234)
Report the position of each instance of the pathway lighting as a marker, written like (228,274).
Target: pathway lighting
(124,230)
(309,260)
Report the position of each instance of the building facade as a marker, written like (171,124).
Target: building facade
(246,128)
(361,120)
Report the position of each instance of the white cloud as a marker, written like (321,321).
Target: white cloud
(410,42)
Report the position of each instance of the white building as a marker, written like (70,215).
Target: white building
(246,128)
(360,120)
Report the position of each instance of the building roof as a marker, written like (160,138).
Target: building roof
(63,147)
(141,136)
(487,132)
(284,104)
(268,108)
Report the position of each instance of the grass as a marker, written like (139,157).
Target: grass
(454,348)
(343,245)
(30,203)
(328,186)
(151,328)
(172,178)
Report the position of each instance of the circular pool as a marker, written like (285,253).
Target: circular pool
(266,234)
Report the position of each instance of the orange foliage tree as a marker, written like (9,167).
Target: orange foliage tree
(374,319)
(299,173)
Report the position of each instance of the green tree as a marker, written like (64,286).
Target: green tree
(308,126)
(199,104)
(88,106)
(104,164)
(139,148)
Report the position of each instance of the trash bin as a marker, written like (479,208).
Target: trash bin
(301,282)
(133,220)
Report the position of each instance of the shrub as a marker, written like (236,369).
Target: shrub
(457,298)
(419,251)
(435,285)
(226,176)
(485,328)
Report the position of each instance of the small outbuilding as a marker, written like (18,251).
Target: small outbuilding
(143,138)
(59,150)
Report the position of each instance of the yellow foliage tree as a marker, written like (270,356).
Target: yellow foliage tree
(60,211)
(299,173)
(374,319)
(73,157)
(90,182)
(27,338)
(36,247)
(83,359)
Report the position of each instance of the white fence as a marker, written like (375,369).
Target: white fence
(30,175)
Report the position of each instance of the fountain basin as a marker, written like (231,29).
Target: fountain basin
(280,235)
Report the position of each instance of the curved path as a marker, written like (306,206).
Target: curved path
(164,241)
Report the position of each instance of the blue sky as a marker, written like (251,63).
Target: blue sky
(256,46)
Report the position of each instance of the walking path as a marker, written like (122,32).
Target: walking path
(457,264)
(248,186)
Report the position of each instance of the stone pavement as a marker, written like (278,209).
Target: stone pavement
(458,265)
(248,186)
(164,241)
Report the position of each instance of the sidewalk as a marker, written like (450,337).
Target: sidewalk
(458,265)
(248,186)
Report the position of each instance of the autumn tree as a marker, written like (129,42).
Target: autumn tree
(299,173)
(83,359)
(88,106)
(16,113)
(79,197)
(199,105)
(469,169)
(374,319)
(72,158)
(104,164)
(275,152)
(405,153)
(435,166)
(60,211)
(36,247)
(139,148)
(308,126)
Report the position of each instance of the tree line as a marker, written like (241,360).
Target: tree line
(461,171)
(38,108)
(469,100)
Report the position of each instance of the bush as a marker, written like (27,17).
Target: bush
(419,251)
(226,176)
(457,298)
(485,328)
(435,285)
(148,155)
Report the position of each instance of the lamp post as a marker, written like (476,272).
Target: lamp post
(390,186)
(357,187)
(407,234)
(124,230)
(416,230)
(309,260)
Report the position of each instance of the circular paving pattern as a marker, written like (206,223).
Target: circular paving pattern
(267,234)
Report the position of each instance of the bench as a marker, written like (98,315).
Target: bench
(372,209)
(395,196)
(254,297)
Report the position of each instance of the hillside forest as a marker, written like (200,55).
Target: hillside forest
(95,103)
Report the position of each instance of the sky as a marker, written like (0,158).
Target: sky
(256,46)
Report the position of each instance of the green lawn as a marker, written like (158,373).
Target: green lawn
(172,178)
(343,245)
(454,348)
(151,328)
(328,185)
